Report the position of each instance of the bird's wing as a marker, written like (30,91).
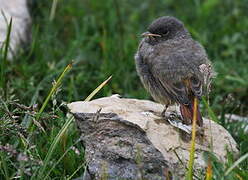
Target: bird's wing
(179,76)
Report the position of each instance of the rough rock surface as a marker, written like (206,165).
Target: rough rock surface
(127,122)
(118,148)
(17,9)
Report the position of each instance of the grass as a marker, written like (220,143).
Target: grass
(102,39)
(190,172)
(4,53)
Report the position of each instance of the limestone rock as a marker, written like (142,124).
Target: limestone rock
(17,9)
(118,149)
(139,118)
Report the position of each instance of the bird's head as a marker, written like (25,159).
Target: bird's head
(165,28)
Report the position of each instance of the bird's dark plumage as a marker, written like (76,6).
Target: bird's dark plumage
(168,62)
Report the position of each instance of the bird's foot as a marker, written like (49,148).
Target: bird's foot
(176,120)
(163,114)
(172,116)
(200,131)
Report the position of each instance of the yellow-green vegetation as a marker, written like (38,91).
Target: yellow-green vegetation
(192,148)
(102,37)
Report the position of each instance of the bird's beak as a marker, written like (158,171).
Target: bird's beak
(148,34)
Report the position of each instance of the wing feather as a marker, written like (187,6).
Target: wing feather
(180,80)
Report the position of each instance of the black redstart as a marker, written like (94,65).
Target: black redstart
(169,63)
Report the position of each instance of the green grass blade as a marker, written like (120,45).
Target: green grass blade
(3,166)
(4,60)
(27,122)
(60,159)
(62,131)
(52,91)
(53,10)
(53,146)
(236,163)
(97,89)
(71,176)
(33,43)
(210,111)
(192,149)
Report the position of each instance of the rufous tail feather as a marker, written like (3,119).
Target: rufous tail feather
(187,112)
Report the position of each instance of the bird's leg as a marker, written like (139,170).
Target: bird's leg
(174,114)
(164,111)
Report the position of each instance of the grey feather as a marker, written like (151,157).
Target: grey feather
(164,63)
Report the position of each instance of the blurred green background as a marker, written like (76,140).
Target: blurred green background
(101,37)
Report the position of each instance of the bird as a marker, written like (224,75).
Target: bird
(173,66)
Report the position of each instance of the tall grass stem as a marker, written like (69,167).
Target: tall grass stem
(4,59)
(53,90)
(192,149)
(53,10)
(97,89)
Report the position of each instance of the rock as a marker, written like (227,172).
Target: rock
(21,21)
(125,127)
(118,148)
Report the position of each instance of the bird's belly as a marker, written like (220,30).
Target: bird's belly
(156,90)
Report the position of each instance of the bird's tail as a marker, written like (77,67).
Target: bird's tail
(187,112)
